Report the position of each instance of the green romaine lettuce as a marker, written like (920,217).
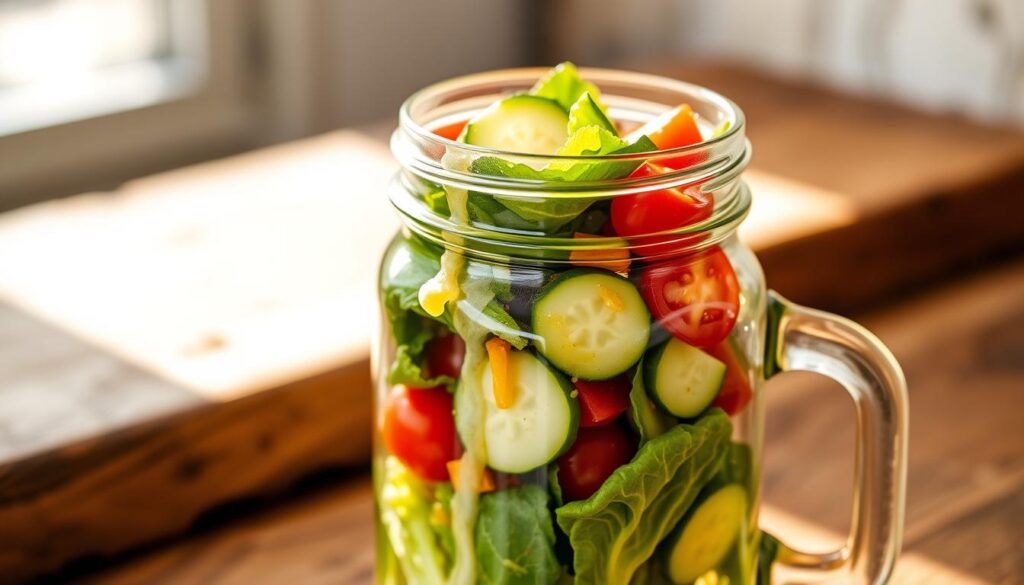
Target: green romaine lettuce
(564,85)
(651,573)
(587,141)
(587,112)
(515,539)
(616,531)
(405,512)
(551,211)
(409,263)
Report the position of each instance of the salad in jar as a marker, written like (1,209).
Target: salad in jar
(574,419)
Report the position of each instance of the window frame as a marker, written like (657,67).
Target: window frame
(217,116)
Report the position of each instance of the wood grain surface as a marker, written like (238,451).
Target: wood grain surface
(172,324)
(963,351)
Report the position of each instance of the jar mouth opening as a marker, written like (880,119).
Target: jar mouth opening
(712,167)
(427,108)
(631,97)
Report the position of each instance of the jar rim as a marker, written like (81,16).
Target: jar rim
(504,77)
(426,156)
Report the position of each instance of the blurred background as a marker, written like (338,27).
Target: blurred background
(119,88)
(192,198)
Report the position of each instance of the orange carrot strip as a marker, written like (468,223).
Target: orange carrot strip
(497,354)
(486,478)
(614,259)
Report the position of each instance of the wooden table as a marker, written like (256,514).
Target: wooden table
(962,347)
(200,337)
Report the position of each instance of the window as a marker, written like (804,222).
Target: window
(63,60)
(93,92)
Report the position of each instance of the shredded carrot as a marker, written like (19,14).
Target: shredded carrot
(614,259)
(497,353)
(486,478)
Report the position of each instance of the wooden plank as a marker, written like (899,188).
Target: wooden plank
(103,496)
(961,348)
(192,337)
(55,389)
(226,277)
(198,289)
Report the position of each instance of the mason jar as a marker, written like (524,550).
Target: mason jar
(558,405)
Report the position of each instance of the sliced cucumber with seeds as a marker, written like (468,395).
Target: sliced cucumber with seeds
(682,379)
(707,534)
(521,123)
(540,424)
(593,324)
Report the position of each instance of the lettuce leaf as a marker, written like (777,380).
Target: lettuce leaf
(587,112)
(587,141)
(617,530)
(515,539)
(405,512)
(410,262)
(413,262)
(553,212)
(564,85)
(651,573)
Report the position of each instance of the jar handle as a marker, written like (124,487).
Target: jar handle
(803,339)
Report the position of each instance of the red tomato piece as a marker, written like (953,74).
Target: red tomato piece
(596,454)
(419,429)
(736,392)
(451,131)
(601,402)
(445,354)
(695,298)
(657,211)
(673,129)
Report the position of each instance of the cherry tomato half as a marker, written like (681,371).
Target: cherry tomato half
(658,211)
(419,430)
(444,355)
(595,455)
(695,298)
(736,392)
(601,402)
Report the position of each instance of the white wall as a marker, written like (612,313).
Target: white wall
(965,56)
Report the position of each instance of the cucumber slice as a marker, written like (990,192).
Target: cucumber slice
(539,426)
(522,123)
(593,323)
(707,534)
(682,379)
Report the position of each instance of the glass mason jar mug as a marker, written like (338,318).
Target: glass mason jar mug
(557,405)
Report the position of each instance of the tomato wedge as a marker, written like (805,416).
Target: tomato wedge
(673,129)
(419,430)
(658,211)
(735,393)
(601,402)
(695,298)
